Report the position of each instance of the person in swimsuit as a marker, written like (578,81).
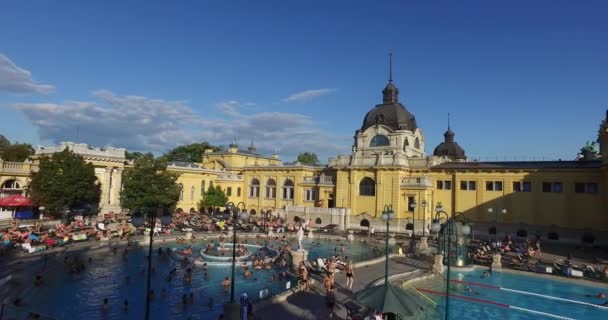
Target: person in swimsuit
(350,275)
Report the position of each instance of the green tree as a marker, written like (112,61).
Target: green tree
(65,181)
(148,185)
(189,153)
(17,152)
(308,158)
(214,197)
(3,143)
(133,155)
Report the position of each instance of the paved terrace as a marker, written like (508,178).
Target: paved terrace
(312,305)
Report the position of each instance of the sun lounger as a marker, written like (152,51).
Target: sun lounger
(321,264)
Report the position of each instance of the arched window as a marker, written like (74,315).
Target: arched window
(367,187)
(271,189)
(11,184)
(417,143)
(379,141)
(181,191)
(203,188)
(318,221)
(406,143)
(10,187)
(254,188)
(288,190)
(296,219)
(192,193)
(364,223)
(252,212)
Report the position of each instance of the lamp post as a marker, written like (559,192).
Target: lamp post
(413,240)
(234,209)
(387,215)
(504,212)
(423,204)
(150,216)
(436,227)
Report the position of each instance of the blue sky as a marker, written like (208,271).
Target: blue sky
(519,78)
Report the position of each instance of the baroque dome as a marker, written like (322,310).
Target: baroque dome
(390,113)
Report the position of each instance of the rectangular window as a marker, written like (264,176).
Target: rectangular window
(254,191)
(444,185)
(271,192)
(522,186)
(589,187)
(310,195)
(468,185)
(238,191)
(288,193)
(552,187)
(493,185)
(229,191)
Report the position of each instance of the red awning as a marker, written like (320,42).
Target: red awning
(15,201)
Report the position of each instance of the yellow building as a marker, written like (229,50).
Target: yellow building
(552,199)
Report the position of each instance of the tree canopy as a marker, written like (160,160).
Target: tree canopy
(189,153)
(65,181)
(133,155)
(148,185)
(14,151)
(308,158)
(213,197)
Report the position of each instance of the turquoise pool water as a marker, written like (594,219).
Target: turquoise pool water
(522,291)
(67,296)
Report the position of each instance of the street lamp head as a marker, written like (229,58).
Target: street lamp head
(413,205)
(435,226)
(439,207)
(229,206)
(466,229)
(490,210)
(388,215)
(137,218)
(166,217)
(423,203)
(244,215)
(504,211)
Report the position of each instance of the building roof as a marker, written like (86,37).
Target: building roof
(449,147)
(240,152)
(390,113)
(472,165)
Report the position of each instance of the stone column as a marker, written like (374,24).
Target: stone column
(116,186)
(296,258)
(496,264)
(105,187)
(423,243)
(438,264)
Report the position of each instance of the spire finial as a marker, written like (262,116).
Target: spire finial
(234,140)
(390,66)
(448,121)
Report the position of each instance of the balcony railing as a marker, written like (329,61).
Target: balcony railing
(17,167)
(318,180)
(230,177)
(417,182)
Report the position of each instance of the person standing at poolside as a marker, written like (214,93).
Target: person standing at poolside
(350,275)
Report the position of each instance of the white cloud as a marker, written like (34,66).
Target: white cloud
(308,95)
(18,80)
(145,124)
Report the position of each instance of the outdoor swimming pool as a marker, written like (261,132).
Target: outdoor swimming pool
(511,296)
(67,296)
